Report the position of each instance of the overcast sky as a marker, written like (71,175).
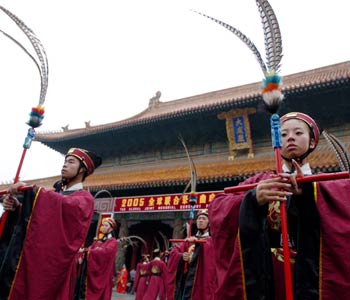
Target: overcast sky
(107,58)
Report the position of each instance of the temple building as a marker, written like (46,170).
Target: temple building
(145,169)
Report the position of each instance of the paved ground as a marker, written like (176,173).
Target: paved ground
(116,296)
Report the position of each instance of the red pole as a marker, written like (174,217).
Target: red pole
(181,241)
(25,147)
(188,235)
(20,189)
(5,214)
(304,179)
(20,165)
(285,239)
(277,145)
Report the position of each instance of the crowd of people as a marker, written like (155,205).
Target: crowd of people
(243,255)
(236,254)
(181,273)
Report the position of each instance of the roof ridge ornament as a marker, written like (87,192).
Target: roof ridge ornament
(154,101)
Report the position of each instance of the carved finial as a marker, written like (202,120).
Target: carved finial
(65,128)
(154,101)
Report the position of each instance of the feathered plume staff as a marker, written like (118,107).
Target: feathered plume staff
(192,183)
(157,243)
(193,195)
(37,113)
(166,247)
(129,241)
(165,241)
(339,150)
(272,96)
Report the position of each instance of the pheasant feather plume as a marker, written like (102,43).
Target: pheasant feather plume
(339,150)
(37,113)
(272,34)
(242,37)
(271,87)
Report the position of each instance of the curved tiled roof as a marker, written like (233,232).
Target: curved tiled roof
(222,169)
(322,159)
(312,79)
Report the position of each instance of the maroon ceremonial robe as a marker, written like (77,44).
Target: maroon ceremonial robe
(143,272)
(199,283)
(100,269)
(56,230)
(156,287)
(223,215)
(175,257)
(318,224)
(333,203)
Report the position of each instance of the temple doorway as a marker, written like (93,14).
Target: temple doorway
(155,234)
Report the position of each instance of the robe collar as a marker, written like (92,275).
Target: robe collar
(76,187)
(305,168)
(203,236)
(107,237)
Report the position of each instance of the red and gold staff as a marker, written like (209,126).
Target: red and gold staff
(272,95)
(37,113)
(248,273)
(193,200)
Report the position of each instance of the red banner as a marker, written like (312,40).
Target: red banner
(158,203)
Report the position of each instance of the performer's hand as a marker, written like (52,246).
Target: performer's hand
(186,256)
(10,203)
(272,189)
(13,188)
(191,239)
(295,188)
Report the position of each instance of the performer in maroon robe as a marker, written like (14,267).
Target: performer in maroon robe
(38,254)
(97,270)
(246,229)
(199,280)
(143,272)
(156,287)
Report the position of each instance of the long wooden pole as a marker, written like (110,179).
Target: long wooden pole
(184,240)
(304,179)
(27,143)
(277,144)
